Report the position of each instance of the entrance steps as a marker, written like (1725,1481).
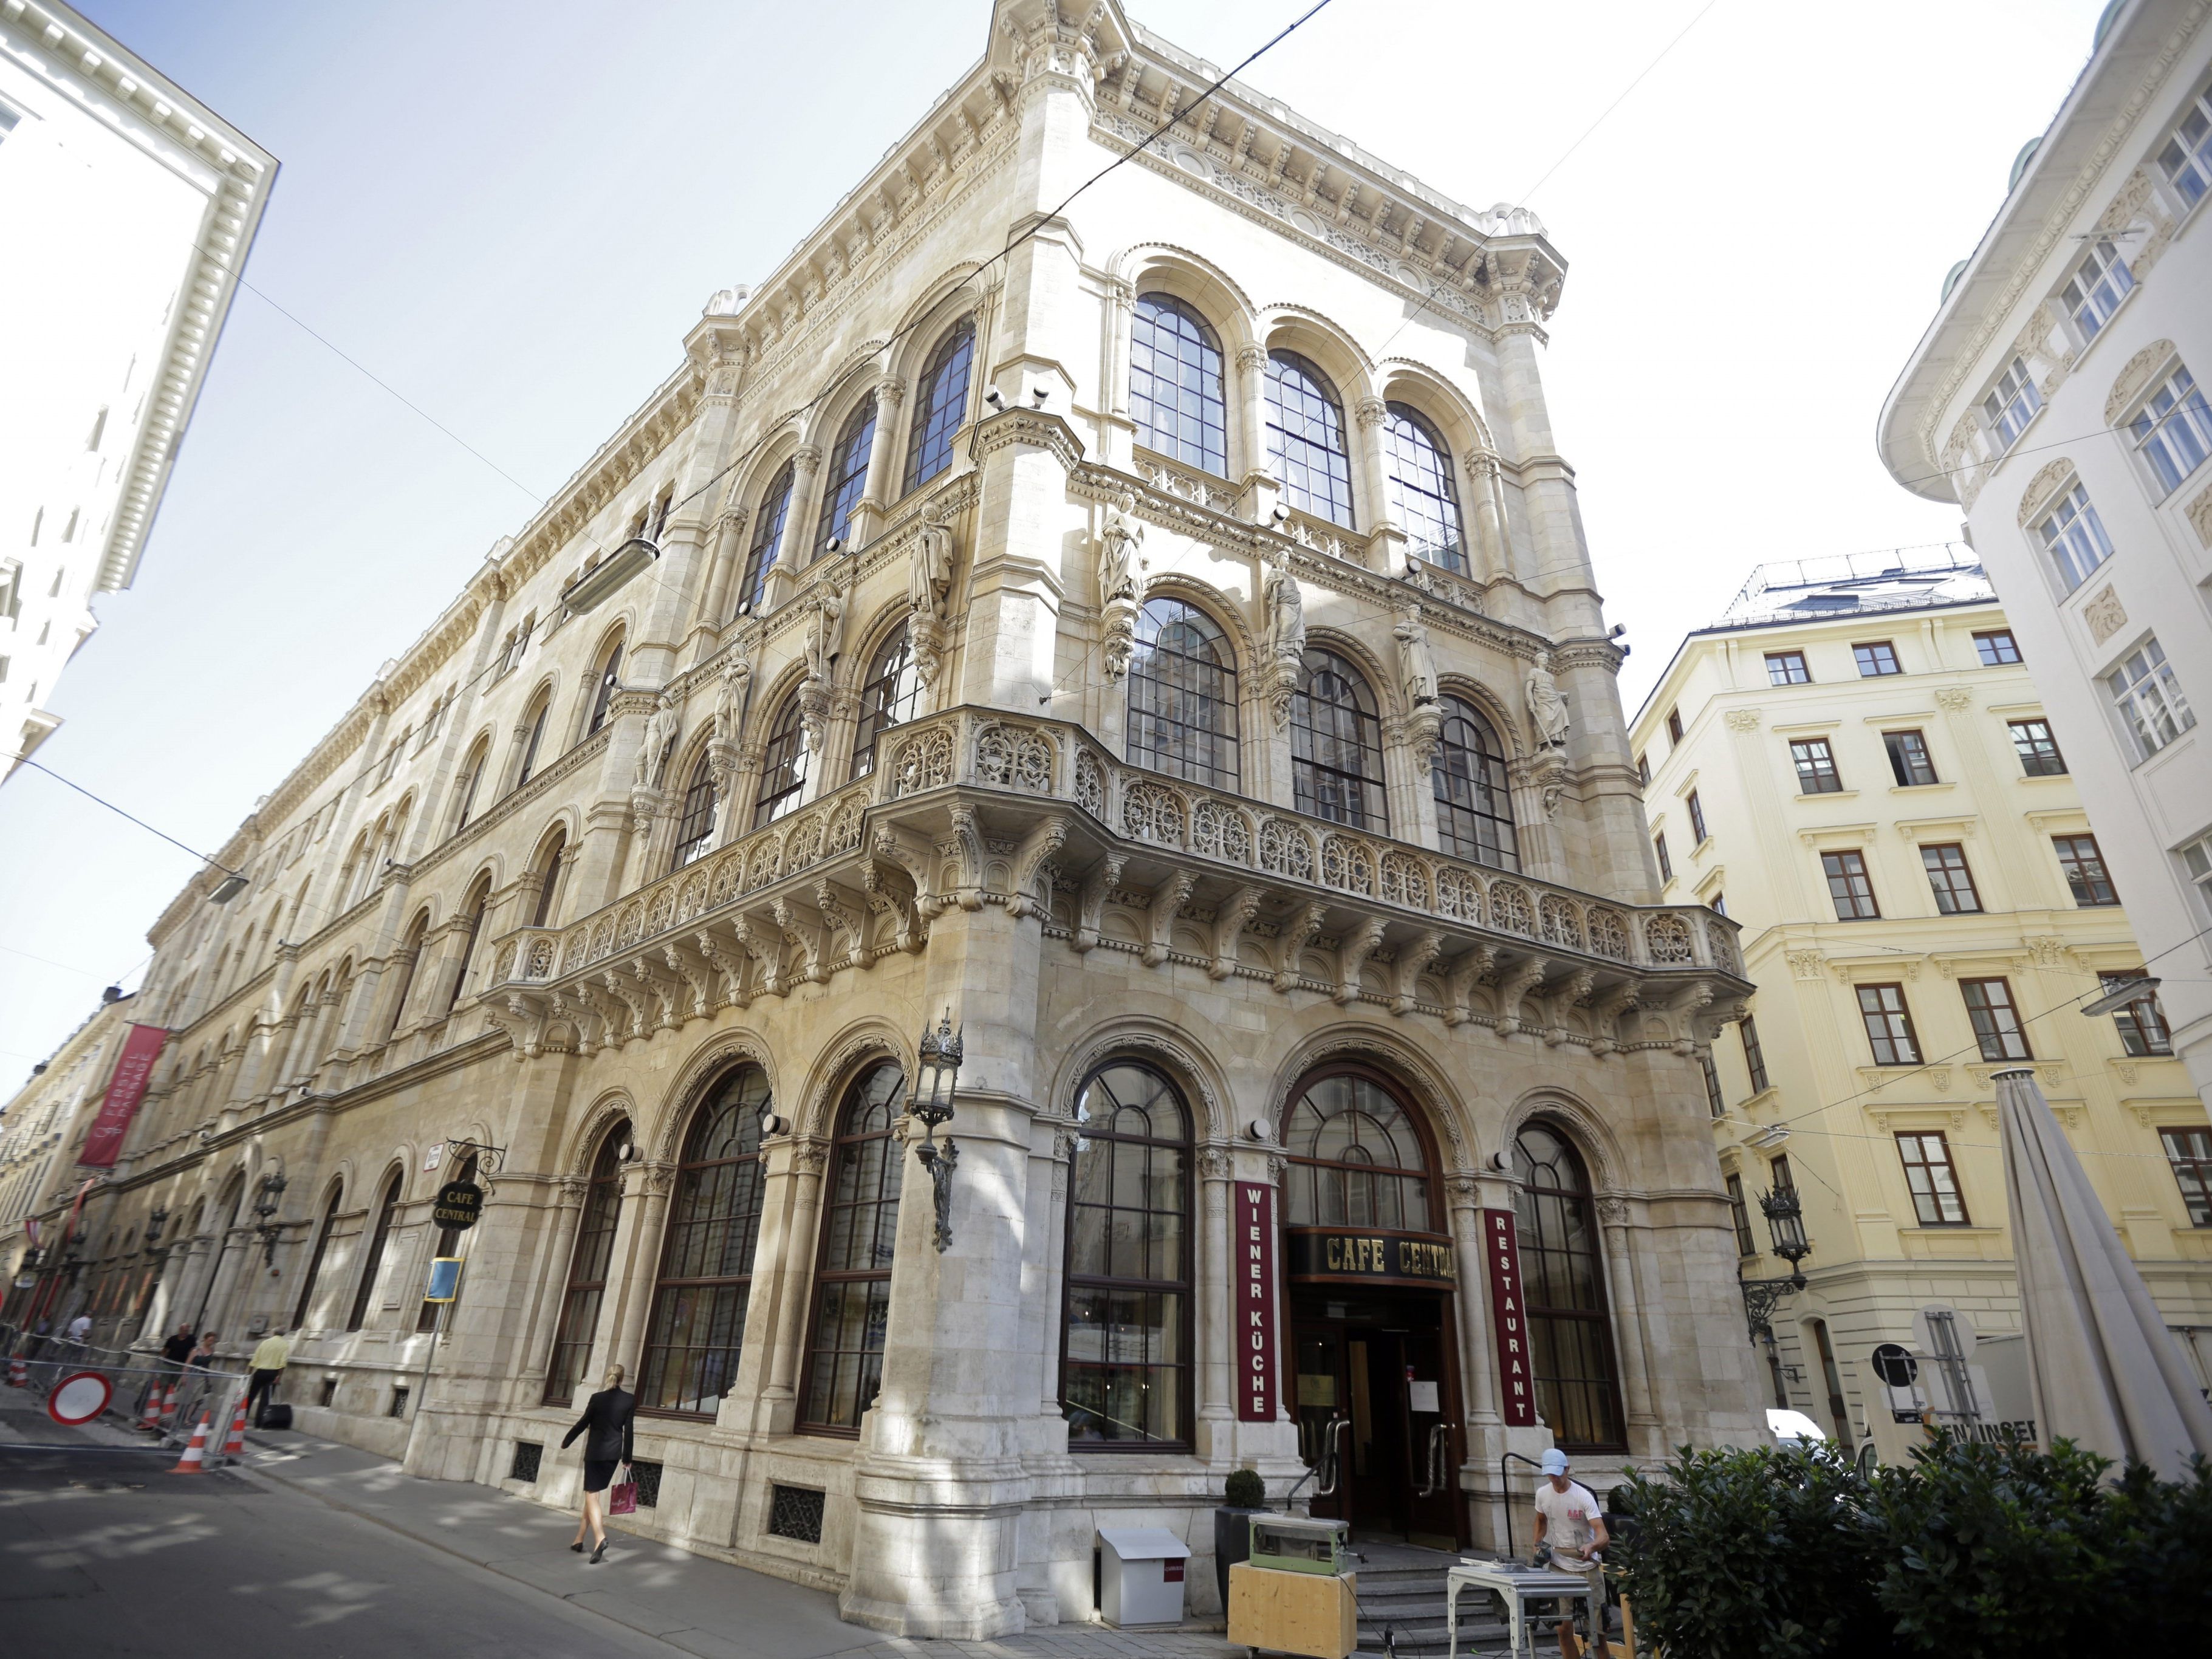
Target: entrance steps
(1402,1591)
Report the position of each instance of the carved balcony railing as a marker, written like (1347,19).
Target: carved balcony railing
(975,806)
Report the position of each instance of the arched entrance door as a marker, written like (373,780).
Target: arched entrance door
(1368,1272)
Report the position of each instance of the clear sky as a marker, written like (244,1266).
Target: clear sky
(512,213)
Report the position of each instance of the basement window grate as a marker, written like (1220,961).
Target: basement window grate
(330,1391)
(796,1512)
(528,1453)
(647,1476)
(398,1403)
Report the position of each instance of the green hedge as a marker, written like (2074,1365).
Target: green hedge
(1973,1550)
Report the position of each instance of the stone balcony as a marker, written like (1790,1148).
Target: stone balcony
(973,807)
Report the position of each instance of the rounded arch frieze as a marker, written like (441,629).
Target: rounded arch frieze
(613,1107)
(1592,1137)
(1428,1091)
(718,1054)
(1144,1039)
(841,1058)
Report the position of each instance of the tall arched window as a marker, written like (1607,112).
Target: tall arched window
(887,699)
(698,1325)
(941,403)
(783,766)
(1336,745)
(534,736)
(695,827)
(1305,439)
(1183,694)
(1357,1159)
(373,1263)
(549,879)
(848,476)
(472,910)
(1563,1286)
(609,679)
(1175,391)
(410,955)
(1126,1374)
(1475,801)
(587,1272)
(306,1305)
(1423,500)
(768,536)
(860,1228)
(472,771)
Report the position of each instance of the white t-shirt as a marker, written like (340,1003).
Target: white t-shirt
(1567,1516)
(80,1327)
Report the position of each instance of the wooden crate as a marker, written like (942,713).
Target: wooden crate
(1304,1613)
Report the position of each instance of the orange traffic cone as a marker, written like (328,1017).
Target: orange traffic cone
(151,1417)
(194,1462)
(18,1374)
(233,1444)
(169,1406)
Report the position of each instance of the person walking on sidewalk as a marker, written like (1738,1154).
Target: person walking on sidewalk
(609,1417)
(1569,1521)
(202,1357)
(269,1359)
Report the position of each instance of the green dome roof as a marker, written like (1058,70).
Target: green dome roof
(2019,161)
(1951,278)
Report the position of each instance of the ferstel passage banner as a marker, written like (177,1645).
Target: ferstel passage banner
(1501,1248)
(127,1087)
(1253,1291)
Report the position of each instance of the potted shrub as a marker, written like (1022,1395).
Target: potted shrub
(1244,1495)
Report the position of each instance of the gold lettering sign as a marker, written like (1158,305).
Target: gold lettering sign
(1342,1254)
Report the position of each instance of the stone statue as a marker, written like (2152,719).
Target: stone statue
(929,576)
(730,699)
(660,737)
(827,635)
(1120,540)
(1417,669)
(1547,707)
(1286,610)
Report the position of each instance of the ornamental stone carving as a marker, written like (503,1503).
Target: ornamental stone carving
(2134,375)
(1954,699)
(1743,720)
(2104,615)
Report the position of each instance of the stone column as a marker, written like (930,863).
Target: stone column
(1216,1433)
(1386,537)
(528,1379)
(645,1216)
(1647,1434)
(783,1279)
(881,487)
(1259,484)
(797,543)
(1116,430)
(729,545)
(1492,556)
(606,840)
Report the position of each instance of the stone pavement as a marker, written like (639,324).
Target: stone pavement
(689,1601)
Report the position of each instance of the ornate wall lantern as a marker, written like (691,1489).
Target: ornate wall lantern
(937,1070)
(264,1215)
(1785,1230)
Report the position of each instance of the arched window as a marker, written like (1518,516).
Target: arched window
(609,680)
(410,954)
(1563,1286)
(783,767)
(848,476)
(1127,1366)
(472,910)
(449,1243)
(1423,500)
(1336,745)
(887,699)
(1305,439)
(698,1324)
(1474,802)
(859,1226)
(533,737)
(587,1272)
(549,879)
(768,536)
(306,1305)
(695,829)
(1182,695)
(373,1263)
(941,403)
(1356,1158)
(1176,391)
(472,771)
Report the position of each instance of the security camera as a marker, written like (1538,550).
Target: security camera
(993,399)
(1038,394)
(1619,629)
(836,546)
(1281,515)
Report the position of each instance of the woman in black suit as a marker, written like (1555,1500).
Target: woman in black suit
(608,1416)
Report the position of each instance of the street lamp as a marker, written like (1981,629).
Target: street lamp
(1785,1230)
(611,572)
(937,1068)
(265,1211)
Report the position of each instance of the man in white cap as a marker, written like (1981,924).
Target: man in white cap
(1569,1520)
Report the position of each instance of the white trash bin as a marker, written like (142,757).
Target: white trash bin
(1142,1575)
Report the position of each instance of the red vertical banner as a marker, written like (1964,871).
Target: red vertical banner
(127,1087)
(1252,1326)
(1516,1386)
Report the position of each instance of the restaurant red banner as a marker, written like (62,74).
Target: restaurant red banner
(127,1087)
(1516,1388)
(1254,1289)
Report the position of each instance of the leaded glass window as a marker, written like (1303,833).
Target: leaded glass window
(1356,1159)
(941,403)
(859,1230)
(888,697)
(1562,1277)
(1474,800)
(694,828)
(1423,500)
(768,537)
(1182,695)
(848,477)
(2075,537)
(587,1275)
(1336,745)
(783,767)
(1176,391)
(1305,439)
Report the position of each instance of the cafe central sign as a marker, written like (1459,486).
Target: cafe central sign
(1341,1255)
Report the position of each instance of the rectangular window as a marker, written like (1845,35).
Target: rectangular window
(2037,749)
(1779,1177)
(1996,648)
(2185,158)
(2012,403)
(1996,1022)
(1934,1183)
(1875,660)
(2190,1153)
(1675,726)
(2074,536)
(1696,818)
(1719,903)
(1816,767)
(1888,1025)
(2141,1022)
(1787,668)
(1952,883)
(1643,770)
(2172,431)
(1849,885)
(2095,290)
(1665,862)
(2196,859)
(1908,759)
(1713,1101)
(2083,862)
(1754,1057)
(2150,699)
(1740,1214)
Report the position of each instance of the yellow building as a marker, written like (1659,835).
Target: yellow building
(1853,764)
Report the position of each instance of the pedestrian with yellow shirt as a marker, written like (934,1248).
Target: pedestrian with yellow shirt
(270,1359)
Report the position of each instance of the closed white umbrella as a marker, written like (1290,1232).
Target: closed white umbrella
(2105,1372)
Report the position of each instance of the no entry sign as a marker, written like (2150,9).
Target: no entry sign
(78,1399)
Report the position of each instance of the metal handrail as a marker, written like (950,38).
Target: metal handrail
(1439,1451)
(1513,1457)
(1332,1456)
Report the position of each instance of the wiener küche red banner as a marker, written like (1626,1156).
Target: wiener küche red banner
(127,1087)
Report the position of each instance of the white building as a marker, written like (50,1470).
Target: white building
(126,210)
(2058,397)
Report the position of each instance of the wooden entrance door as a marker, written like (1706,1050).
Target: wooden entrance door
(1374,1379)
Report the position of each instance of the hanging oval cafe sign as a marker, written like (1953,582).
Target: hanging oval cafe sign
(1339,1254)
(460,1205)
